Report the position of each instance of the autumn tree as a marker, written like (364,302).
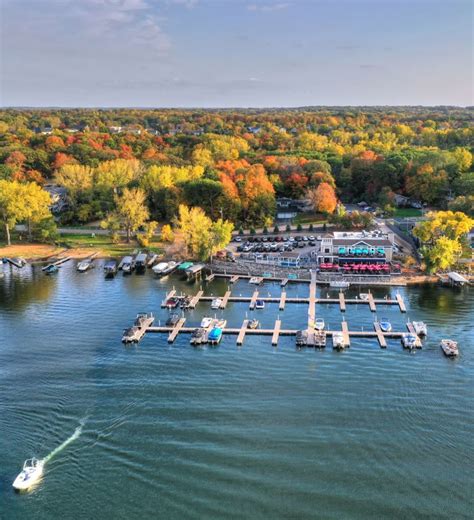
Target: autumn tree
(130,213)
(323,198)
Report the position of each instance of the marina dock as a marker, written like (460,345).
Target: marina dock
(253,300)
(242,331)
(282,301)
(225,299)
(58,262)
(380,335)
(175,330)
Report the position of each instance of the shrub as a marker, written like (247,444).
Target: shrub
(276,229)
(299,227)
(265,231)
(288,227)
(252,231)
(311,227)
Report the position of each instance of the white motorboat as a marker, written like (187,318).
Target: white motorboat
(253,324)
(159,269)
(364,296)
(84,265)
(255,280)
(449,347)
(29,475)
(410,341)
(260,304)
(319,324)
(170,268)
(420,328)
(216,303)
(127,264)
(206,322)
(338,341)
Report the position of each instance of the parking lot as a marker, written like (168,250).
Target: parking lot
(274,243)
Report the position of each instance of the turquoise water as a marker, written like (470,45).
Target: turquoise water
(173,432)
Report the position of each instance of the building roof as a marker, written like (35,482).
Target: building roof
(376,242)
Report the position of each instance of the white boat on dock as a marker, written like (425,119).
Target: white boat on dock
(338,341)
(127,264)
(449,347)
(170,268)
(29,475)
(216,303)
(420,328)
(364,296)
(159,268)
(206,322)
(319,324)
(255,280)
(410,341)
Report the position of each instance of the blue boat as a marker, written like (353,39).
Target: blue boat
(50,269)
(215,336)
(385,326)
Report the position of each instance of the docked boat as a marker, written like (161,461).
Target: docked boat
(206,322)
(410,341)
(320,339)
(172,302)
(339,284)
(170,268)
(253,324)
(198,336)
(420,328)
(51,269)
(364,296)
(140,262)
(301,338)
(110,268)
(144,320)
(84,265)
(185,302)
(216,303)
(29,475)
(385,325)
(449,347)
(214,337)
(255,280)
(172,320)
(132,335)
(338,341)
(127,264)
(260,304)
(319,324)
(159,269)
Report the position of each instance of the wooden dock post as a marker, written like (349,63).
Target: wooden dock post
(282,301)
(345,333)
(401,303)
(342,301)
(243,330)
(225,299)
(176,330)
(253,301)
(276,333)
(380,336)
(370,299)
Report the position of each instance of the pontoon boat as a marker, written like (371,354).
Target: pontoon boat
(449,347)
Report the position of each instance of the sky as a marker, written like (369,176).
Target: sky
(236,53)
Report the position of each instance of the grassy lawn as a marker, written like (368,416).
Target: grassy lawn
(105,244)
(407,212)
(309,218)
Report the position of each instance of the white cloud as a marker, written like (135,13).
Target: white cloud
(268,8)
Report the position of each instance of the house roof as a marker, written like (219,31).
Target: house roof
(357,242)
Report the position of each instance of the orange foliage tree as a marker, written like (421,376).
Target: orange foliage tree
(324,198)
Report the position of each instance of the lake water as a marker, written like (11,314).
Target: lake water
(257,432)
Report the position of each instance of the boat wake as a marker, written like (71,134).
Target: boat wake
(72,438)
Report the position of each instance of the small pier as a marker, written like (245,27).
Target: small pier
(284,282)
(253,300)
(282,301)
(401,303)
(345,333)
(175,331)
(167,297)
(195,300)
(342,302)
(380,335)
(276,333)
(242,332)
(58,262)
(210,277)
(371,301)
(312,302)
(225,299)
(234,278)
